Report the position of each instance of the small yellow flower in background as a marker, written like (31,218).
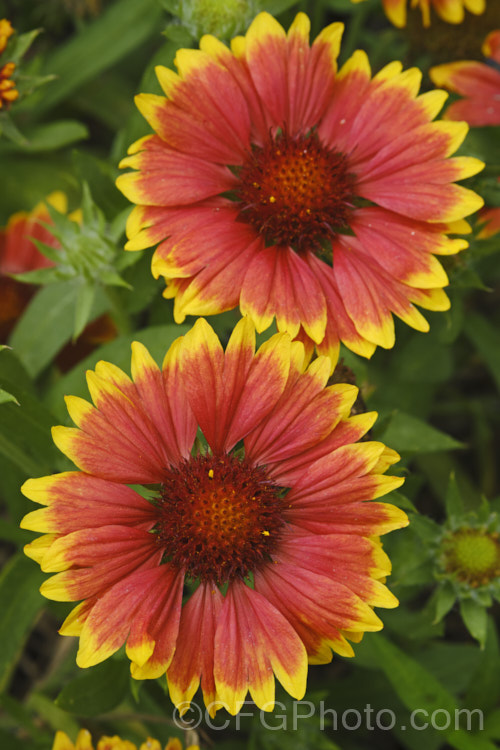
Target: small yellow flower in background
(6,32)
(84,742)
(8,91)
(451,11)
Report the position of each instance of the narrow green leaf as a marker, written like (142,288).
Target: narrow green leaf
(54,716)
(98,690)
(492,725)
(415,685)
(7,397)
(454,503)
(121,28)
(444,600)
(20,457)
(464,740)
(40,276)
(10,130)
(47,324)
(486,338)
(475,618)
(484,685)
(408,433)
(20,44)
(52,136)
(83,309)
(21,602)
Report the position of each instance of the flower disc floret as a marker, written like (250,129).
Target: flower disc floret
(304,194)
(221,517)
(271,528)
(295,192)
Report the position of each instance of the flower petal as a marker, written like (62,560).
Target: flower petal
(79,500)
(194,654)
(316,607)
(279,284)
(252,642)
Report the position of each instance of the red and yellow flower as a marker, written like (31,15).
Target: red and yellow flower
(19,253)
(490,221)
(84,742)
(8,91)
(476,82)
(313,197)
(268,525)
(451,11)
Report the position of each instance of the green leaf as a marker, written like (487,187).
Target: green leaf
(484,685)
(465,740)
(486,338)
(492,725)
(415,685)
(7,397)
(405,432)
(54,716)
(120,29)
(98,690)
(20,44)
(47,324)
(21,602)
(10,130)
(403,502)
(25,436)
(475,618)
(420,691)
(444,599)
(454,503)
(83,310)
(51,136)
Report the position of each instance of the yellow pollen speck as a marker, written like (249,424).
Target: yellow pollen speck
(255,184)
(265,533)
(272,199)
(211,474)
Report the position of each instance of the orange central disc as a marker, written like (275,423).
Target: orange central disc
(295,191)
(220,517)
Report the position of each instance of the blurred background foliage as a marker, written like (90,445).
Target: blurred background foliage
(437,394)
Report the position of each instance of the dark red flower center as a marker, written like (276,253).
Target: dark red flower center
(220,517)
(296,192)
